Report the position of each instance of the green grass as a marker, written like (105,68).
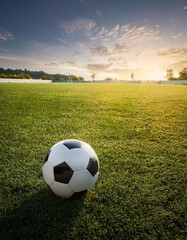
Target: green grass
(139,133)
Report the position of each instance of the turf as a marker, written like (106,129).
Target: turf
(139,133)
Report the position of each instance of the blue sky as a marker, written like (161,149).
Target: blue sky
(111,38)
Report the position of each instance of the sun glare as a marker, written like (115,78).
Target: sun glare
(158,75)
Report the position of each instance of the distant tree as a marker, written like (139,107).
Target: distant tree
(10,71)
(23,76)
(46,77)
(132,76)
(183,74)
(19,76)
(169,75)
(73,77)
(13,73)
(81,78)
(93,76)
(3,75)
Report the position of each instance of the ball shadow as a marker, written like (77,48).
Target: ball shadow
(42,216)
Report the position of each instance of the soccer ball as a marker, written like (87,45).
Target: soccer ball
(71,168)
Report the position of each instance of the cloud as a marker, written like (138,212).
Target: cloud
(71,63)
(9,58)
(120,48)
(185,8)
(176,52)
(78,25)
(99,50)
(107,34)
(102,50)
(177,35)
(5,36)
(140,34)
(128,35)
(117,60)
(17,61)
(178,66)
(52,64)
(173,57)
(98,68)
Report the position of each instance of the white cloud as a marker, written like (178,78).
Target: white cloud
(99,50)
(173,57)
(177,52)
(185,8)
(177,35)
(51,64)
(98,68)
(4,35)
(140,34)
(178,66)
(80,24)
(126,46)
(128,34)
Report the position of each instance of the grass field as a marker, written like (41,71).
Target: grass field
(139,133)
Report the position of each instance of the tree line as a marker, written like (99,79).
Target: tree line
(27,74)
(182,74)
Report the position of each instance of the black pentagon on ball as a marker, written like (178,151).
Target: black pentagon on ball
(63,173)
(70,144)
(93,166)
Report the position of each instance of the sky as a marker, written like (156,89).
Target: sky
(111,38)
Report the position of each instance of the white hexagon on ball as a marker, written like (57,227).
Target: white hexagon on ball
(47,172)
(77,159)
(80,180)
(58,154)
(61,190)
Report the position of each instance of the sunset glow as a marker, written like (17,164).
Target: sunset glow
(112,39)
